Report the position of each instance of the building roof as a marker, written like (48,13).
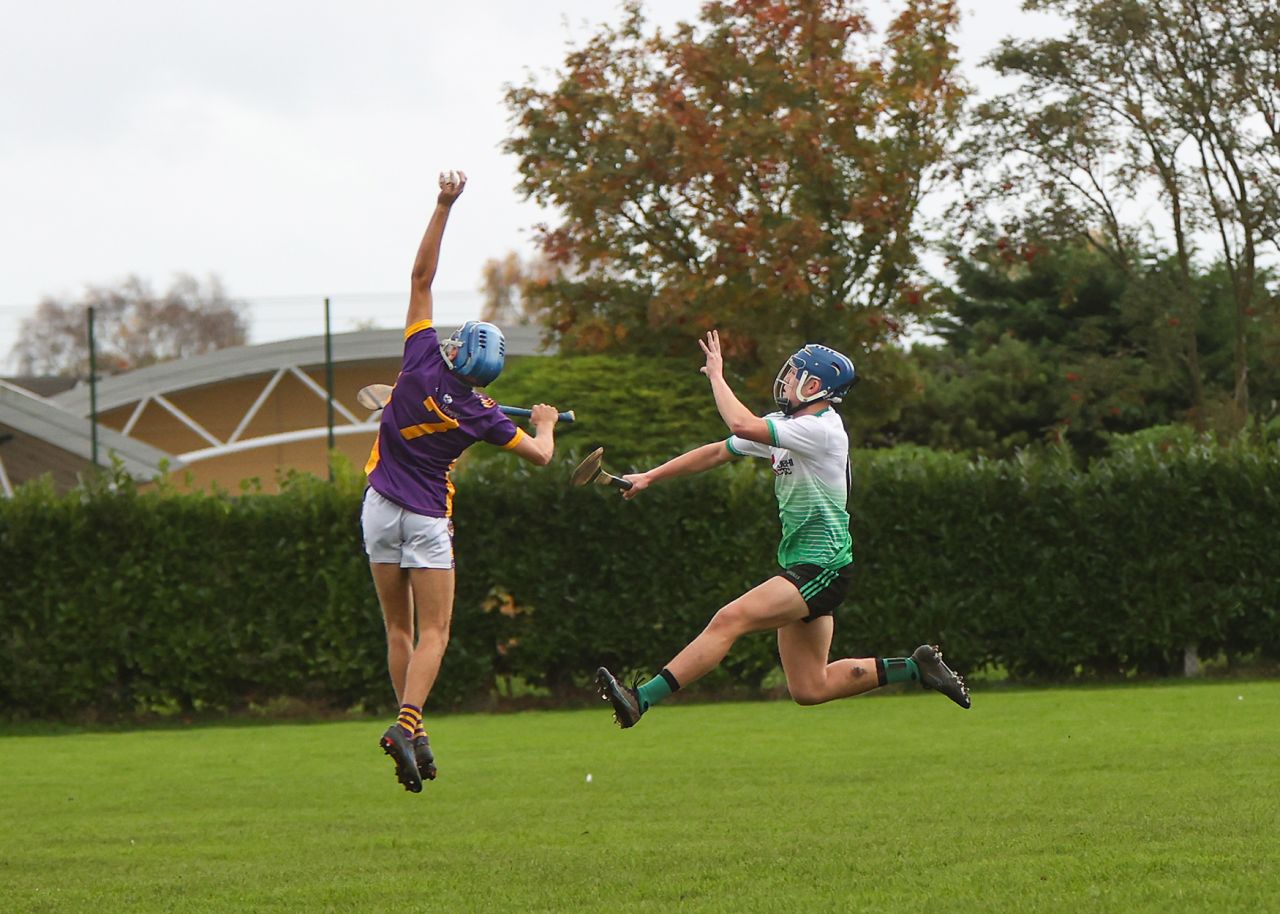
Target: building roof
(44,420)
(42,385)
(243,361)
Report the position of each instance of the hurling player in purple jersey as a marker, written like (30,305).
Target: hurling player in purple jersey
(434,414)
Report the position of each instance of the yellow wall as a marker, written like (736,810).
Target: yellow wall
(290,407)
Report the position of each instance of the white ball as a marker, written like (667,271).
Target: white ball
(588,778)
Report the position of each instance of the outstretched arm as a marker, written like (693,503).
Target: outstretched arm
(695,461)
(740,420)
(424,265)
(539,447)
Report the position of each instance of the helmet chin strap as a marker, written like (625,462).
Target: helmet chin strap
(790,408)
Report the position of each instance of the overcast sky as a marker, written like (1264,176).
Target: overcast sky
(288,147)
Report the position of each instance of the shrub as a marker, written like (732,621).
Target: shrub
(116,602)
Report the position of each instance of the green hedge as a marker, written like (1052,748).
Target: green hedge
(114,602)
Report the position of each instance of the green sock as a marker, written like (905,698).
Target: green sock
(897,669)
(656,689)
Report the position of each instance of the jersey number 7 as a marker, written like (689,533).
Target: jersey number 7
(429,428)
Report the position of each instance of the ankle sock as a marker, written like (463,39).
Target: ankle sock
(896,669)
(410,719)
(656,689)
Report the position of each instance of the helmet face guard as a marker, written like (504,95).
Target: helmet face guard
(475,352)
(833,369)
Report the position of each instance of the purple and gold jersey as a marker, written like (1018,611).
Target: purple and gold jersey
(431,418)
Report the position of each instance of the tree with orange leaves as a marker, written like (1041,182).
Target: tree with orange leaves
(760,170)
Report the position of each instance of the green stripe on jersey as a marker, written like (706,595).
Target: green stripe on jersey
(815,525)
(811,483)
(818,584)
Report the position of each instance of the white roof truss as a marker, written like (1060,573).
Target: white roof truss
(157,383)
(235,443)
(186,420)
(322,393)
(257,405)
(304,434)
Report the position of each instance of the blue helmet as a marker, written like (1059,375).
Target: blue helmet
(476,352)
(833,369)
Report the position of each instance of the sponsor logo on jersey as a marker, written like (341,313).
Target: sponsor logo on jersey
(783,467)
(446,406)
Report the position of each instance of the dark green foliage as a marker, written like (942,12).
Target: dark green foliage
(118,602)
(606,581)
(1050,572)
(1051,341)
(1091,142)
(1034,346)
(115,602)
(636,406)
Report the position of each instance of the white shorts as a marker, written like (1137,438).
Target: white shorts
(395,536)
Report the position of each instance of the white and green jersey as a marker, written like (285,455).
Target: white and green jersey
(810,458)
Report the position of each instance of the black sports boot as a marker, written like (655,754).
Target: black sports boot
(425,757)
(936,675)
(396,743)
(625,701)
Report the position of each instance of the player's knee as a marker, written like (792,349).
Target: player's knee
(399,637)
(433,631)
(730,619)
(806,695)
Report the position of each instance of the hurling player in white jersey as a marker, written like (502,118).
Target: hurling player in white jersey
(806,443)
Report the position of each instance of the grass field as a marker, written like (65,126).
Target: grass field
(1138,798)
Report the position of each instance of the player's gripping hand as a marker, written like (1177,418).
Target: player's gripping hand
(452,184)
(639,482)
(543,415)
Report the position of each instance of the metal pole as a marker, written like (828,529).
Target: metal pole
(6,487)
(328,384)
(93,391)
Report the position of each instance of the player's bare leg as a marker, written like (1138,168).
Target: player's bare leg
(768,606)
(811,679)
(433,591)
(396,596)
(396,599)
(804,648)
(406,740)
(433,597)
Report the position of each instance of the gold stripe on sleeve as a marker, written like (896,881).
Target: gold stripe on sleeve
(515,439)
(414,328)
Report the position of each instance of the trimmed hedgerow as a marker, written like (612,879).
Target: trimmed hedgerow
(114,602)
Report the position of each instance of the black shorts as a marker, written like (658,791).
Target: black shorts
(823,590)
